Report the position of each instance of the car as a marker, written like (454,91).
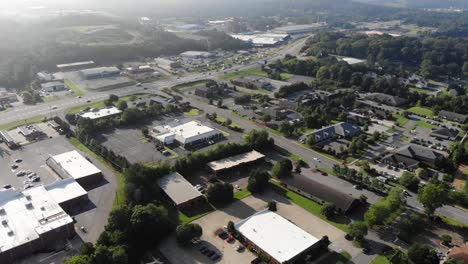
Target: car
(316,159)
(20,173)
(201,249)
(54,107)
(205,251)
(223,235)
(357,187)
(36,178)
(14,166)
(28,186)
(18,160)
(88,101)
(365,250)
(79,97)
(7,186)
(138,84)
(348,237)
(256,261)
(230,239)
(237,187)
(215,257)
(211,253)
(83,229)
(324,173)
(31,175)
(240,248)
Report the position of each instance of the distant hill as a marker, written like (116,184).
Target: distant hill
(419,3)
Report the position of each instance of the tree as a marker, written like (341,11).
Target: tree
(266,118)
(410,181)
(87,249)
(79,259)
(220,193)
(446,239)
(310,141)
(149,223)
(113,98)
(122,105)
(421,173)
(28,98)
(258,181)
(432,196)
(272,206)
(132,115)
(358,230)
(328,210)
(145,131)
(422,254)
(282,169)
(230,227)
(259,140)
(186,233)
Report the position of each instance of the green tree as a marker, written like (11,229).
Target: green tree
(258,181)
(230,227)
(79,259)
(310,141)
(421,173)
(432,196)
(272,206)
(418,253)
(259,140)
(358,230)
(87,249)
(266,118)
(328,210)
(132,115)
(446,239)
(113,98)
(410,181)
(28,98)
(282,169)
(220,193)
(122,105)
(186,233)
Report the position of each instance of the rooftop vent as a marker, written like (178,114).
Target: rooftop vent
(2,211)
(4,222)
(10,233)
(29,205)
(28,197)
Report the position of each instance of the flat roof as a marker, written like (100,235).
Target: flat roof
(80,63)
(26,215)
(275,235)
(235,160)
(178,188)
(102,112)
(100,70)
(300,27)
(194,53)
(187,132)
(65,190)
(51,84)
(75,164)
(261,39)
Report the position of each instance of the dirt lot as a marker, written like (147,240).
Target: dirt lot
(242,209)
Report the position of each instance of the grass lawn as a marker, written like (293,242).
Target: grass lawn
(184,219)
(423,124)
(239,195)
(189,85)
(120,196)
(73,87)
(221,120)
(453,222)
(309,205)
(421,111)
(286,153)
(27,121)
(285,75)
(99,104)
(380,260)
(174,154)
(419,90)
(247,72)
(330,172)
(252,91)
(401,120)
(192,112)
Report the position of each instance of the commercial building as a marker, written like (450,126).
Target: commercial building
(76,66)
(235,162)
(320,193)
(452,116)
(277,238)
(410,156)
(7,97)
(73,165)
(262,40)
(179,190)
(190,134)
(68,193)
(31,132)
(300,29)
(101,113)
(8,139)
(196,54)
(140,69)
(252,82)
(168,65)
(99,73)
(342,129)
(53,86)
(31,221)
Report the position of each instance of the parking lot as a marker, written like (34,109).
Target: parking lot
(242,209)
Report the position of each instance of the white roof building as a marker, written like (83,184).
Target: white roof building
(266,39)
(26,216)
(185,134)
(196,54)
(65,190)
(276,236)
(74,165)
(101,113)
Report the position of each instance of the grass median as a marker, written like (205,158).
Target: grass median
(27,121)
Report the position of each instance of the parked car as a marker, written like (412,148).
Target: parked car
(230,239)
(223,235)
(7,186)
(215,257)
(20,173)
(240,248)
(210,254)
(14,166)
(18,160)
(256,261)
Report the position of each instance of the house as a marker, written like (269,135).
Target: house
(454,117)
(53,86)
(385,99)
(320,193)
(179,190)
(367,109)
(285,103)
(445,133)
(459,253)
(357,119)
(235,163)
(342,129)
(410,156)
(210,90)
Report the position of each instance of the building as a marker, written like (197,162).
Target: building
(386,99)
(410,156)
(101,113)
(190,134)
(320,193)
(252,82)
(445,133)
(299,29)
(210,90)
(8,139)
(31,132)
(68,193)
(235,163)
(454,117)
(76,66)
(99,73)
(168,65)
(352,61)
(196,54)
(73,165)
(31,221)
(262,40)
(276,113)
(180,191)
(277,238)
(53,86)
(7,97)
(140,69)
(459,253)
(149,102)
(342,129)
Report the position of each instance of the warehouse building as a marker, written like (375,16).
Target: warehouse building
(189,135)
(277,238)
(76,66)
(8,139)
(262,40)
(196,54)
(168,65)
(180,191)
(99,73)
(31,132)
(68,194)
(101,113)
(53,86)
(31,221)
(299,29)
(73,165)
(235,163)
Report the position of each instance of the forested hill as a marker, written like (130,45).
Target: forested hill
(419,3)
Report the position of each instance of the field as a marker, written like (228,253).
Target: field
(423,124)
(246,72)
(419,90)
(73,87)
(421,111)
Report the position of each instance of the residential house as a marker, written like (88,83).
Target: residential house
(385,99)
(342,130)
(452,116)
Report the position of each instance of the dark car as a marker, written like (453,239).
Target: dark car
(202,248)
(256,261)
(215,257)
(205,251)
(365,250)
(223,235)
(210,254)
